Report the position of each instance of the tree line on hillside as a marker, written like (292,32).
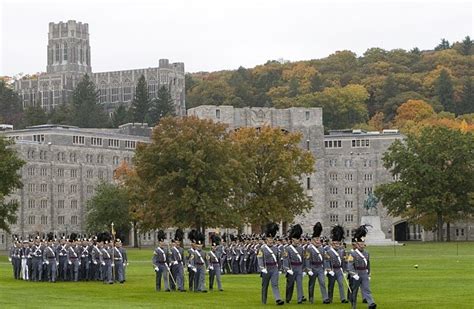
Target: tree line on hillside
(350,89)
(84,110)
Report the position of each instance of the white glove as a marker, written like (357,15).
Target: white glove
(325,272)
(194,269)
(331,273)
(95,262)
(103,263)
(113,264)
(9,259)
(264,271)
(175,263)
(355,277)
(69,262)
(211,267)
(57,263)
(303,274)
(290,272)
(124,264)
(369,278)
(47,262)
(310,273)
(79,263)
(279,272)
(127,263)
(156,268)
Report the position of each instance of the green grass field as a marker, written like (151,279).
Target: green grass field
(444,279)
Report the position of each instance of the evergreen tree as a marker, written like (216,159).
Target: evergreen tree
(120,116)
(87,113)
(444,91)
(11,110)
(390,87)
(466,46)
(466,105)
(443,45)
(141,102)
(61,114)
(162,106)
(35,115)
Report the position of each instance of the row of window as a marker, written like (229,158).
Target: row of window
(44,204)
(350,163)
(333,144)
(98,141)
(356,143)
(31,220)
(335,204)
(348,190)
(89,158)
(349,177)
(333,218)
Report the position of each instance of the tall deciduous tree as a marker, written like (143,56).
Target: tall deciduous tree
(436,177)
(273,165)
(109,204)
(188,169)
(162,106)
(88,113)
(10,180)
(141,101)
(444,91)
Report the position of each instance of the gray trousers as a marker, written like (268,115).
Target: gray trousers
(52,269)
(364,284)
(162,271)
(271,276)
(62,268)
(215,273)
(178,274)
(200,278)
(339,277)
(74,267)
(119,271)
(107,271)
(318,272)
(37,269)
(290,284)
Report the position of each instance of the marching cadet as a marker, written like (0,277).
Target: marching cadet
(106,260)
(119,262)
(359,268)
(191,272)
(176,261)
(96,252)
(37,260)
(25,255)
(123,251)
(315,264)
(73,258)
(15,258)
(62,254)
(85,260)
(50,259)
(199,264)
(159,262)
(335,254)
(293,260)
(268,257)
(215,263)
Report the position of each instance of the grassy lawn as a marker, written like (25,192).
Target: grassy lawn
(444,279)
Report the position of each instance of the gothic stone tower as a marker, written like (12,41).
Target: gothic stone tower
(68,48)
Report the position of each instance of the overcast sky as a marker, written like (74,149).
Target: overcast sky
(213,35)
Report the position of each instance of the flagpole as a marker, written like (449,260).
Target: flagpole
(113,252)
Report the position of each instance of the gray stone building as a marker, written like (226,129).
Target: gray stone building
(348,167)
(64,164)
(69,58)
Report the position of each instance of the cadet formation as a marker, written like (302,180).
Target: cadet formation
(324,260)
(97,258)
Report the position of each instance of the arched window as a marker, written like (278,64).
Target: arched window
(127,91)
(65,51)
(115,92)
(103,92)
(152,88)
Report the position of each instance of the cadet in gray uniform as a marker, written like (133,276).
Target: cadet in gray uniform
(73,257)
(160,257)
(37,263)
(315,265)
(199,264)
(268,258)
(106,261)
(119,263)
(191,271)
(62,259)
(215,264)
(293,261)
(176,261)
(358,264)
(336,256)
(50,259)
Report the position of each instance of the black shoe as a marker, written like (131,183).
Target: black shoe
(326,302)
(122,281)
(304,299)
(221,290)
(168,290)
(372,306)
(182,290)
(364,301)
(280,302)
(288,301)
(204,291)
(300,302)
(344,301)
